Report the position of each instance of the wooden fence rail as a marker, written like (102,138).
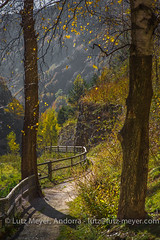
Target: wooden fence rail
(79,155)
(23,190)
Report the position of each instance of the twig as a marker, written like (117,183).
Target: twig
(108,54)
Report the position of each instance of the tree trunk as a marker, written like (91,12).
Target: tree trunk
(29,138)
(157,71)
(134,135)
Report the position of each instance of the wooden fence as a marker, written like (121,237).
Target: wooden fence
(79,157)
(23,190)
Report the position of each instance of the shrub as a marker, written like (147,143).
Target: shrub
(13,146)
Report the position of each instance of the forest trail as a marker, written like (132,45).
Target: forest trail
(45,215)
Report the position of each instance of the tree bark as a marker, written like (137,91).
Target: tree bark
(134,135)
(29,138)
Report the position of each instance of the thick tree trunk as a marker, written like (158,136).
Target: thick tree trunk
(29,139)
(134,135)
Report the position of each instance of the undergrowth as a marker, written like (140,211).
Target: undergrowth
(98,192)
(10,173)
(97,201)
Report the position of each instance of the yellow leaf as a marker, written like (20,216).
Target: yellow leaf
(68,36)
(112,39)
(94,66)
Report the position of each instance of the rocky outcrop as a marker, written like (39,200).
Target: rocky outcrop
(67,134)
(95,122)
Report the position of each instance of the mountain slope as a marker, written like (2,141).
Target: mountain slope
(59,66)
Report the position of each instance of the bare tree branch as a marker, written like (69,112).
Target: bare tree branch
(110,53)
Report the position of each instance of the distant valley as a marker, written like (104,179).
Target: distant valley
(60,65)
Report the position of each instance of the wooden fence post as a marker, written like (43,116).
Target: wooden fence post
(74,150)
(50,149)
(58,150)
(71,162)
(50,170)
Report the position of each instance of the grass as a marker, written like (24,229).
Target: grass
(121,232)
(153,196)
(10,173)
(83,232)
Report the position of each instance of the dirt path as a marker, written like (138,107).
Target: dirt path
(45,216)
